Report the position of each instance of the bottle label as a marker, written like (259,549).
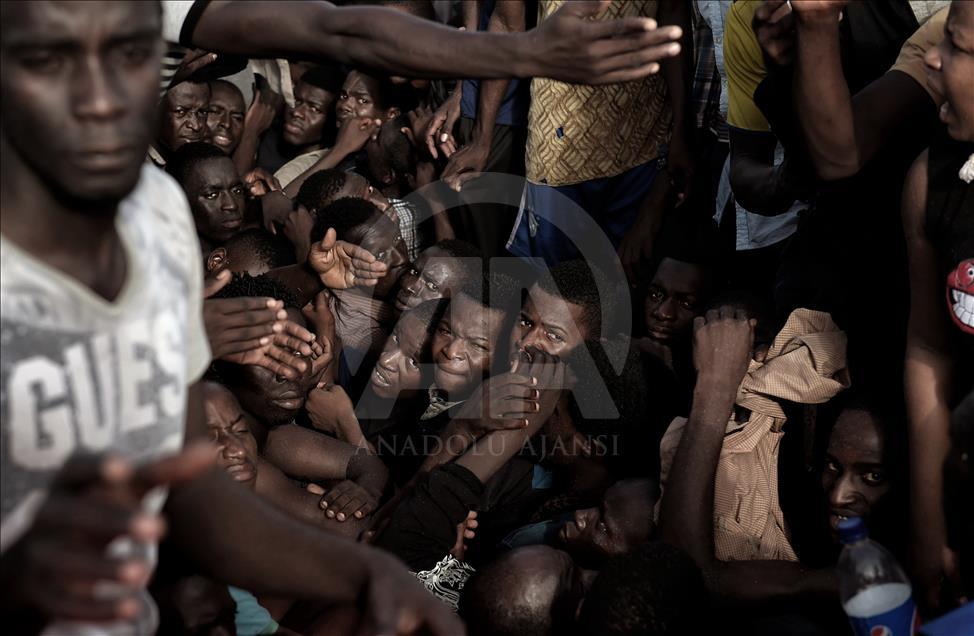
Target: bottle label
(899,621)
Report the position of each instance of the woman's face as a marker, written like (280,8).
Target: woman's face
(855,477)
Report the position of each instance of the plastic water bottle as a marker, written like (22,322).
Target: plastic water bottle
(876,595)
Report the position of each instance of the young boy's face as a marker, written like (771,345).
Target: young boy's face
(464,345)
(382,238)
(432,276)
(225,117)
(229,428)
(305,121)
(673,300)
(360,97)
(549,323)
(399,368)
(217,198)
(619,524)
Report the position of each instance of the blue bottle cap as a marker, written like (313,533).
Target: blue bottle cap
(852,529)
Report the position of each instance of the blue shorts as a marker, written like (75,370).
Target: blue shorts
(553,220)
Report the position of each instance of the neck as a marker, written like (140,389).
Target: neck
(43,222)
(74,236)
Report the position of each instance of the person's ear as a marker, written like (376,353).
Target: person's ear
(388,176)
(393,112)
(217,260)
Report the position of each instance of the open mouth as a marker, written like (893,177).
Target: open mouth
(962,307)
(380,379)
(221,140)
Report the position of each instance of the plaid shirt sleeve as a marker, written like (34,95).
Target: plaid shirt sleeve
(411,235)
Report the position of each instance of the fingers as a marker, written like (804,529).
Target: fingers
(70,562)
(99,521)
(251,306)
(315,489)
(284,362)
(213,284)
(296,337)
(82,471)
(176,469)
(328,240)
(55,600)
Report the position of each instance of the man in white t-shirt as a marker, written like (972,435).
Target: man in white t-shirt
(103,345)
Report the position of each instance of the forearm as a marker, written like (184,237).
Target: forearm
(489,454)
(743,583)
(306,454)
(455,439)
(676,70)
(360,36)
(295,560)
(760,187)
(369,472)
(275,487)
(508,17)
(823,101)
(686,515)
(327,161)
(243,156)
(927,376)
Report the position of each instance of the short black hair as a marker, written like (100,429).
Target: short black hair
(328,77)
(495,290)
(320,187)
(429,312)
(655,590)
(397,151)
(343,215)
(272,251)
(246,286)
(459,249)
(578,283)
(185,160)
(229,84)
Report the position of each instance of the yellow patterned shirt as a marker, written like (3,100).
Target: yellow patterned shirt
(578,133)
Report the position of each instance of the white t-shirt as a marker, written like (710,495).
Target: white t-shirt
(81,374)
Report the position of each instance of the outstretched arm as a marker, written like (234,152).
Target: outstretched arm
(296,559)
(928,375)
(843,132)
(568,46)
(722,348)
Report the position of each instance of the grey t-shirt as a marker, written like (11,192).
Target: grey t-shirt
(81,374)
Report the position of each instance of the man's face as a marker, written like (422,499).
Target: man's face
(304,123)
(399,368)
(434,275)
(950,66)
(855,477)
(229,428)
(273,399)
(183,115)
(549,323)
(358,187)
(78,83)
(225,117)
(673,300)
(464,345)
(623,521)
(217,197)
(383,239)
(358,99)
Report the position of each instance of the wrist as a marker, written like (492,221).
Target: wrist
(716,383)
(527,62)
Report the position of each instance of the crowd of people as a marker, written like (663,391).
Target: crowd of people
(512,317)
